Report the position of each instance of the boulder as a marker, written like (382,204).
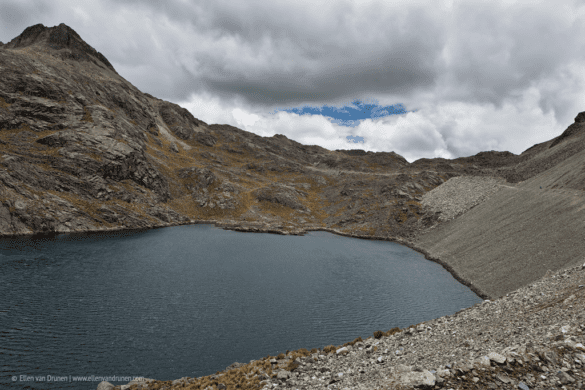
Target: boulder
(283,375)
(417,379)
(497,358)
(105,386)
(484,361)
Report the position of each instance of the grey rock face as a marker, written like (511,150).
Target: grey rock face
(282,195)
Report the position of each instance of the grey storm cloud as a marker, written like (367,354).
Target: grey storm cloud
(502,59)
(286,52)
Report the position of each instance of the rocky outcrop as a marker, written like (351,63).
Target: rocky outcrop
(282,195)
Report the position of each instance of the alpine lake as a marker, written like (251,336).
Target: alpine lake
(191,300)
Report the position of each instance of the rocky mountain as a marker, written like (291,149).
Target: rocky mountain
(82,149)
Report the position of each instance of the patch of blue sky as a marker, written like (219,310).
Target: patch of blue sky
(355,139)
(349,115)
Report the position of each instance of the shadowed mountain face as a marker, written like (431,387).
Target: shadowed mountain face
(82,149)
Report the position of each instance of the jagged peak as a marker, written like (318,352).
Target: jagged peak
(61,38)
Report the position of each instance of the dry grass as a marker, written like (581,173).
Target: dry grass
(277,210)
(3,103)
(86,116)
(243,378)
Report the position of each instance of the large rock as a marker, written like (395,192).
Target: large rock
(105,386)
(497,358)
(283,375)
(417,379)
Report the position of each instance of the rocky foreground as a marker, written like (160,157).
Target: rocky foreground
(532,338)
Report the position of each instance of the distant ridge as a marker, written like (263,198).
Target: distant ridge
(62,39)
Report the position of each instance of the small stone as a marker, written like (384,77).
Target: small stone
(503,378)
(342,351)
(496,357)
(484,361)
(523,386)
(443,373)
(380,359)
(565,378)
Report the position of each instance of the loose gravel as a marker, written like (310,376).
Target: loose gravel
(459,194)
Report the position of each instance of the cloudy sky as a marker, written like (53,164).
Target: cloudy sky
(423,79)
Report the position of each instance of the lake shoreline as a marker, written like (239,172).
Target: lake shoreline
(252,227)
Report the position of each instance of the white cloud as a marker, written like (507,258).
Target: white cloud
(244,119)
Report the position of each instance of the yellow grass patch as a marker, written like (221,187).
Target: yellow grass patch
(3,103)
(86,115)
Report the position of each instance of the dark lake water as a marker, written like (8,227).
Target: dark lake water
(191,300)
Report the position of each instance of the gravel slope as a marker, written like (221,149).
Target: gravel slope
(513,235)
(459,194)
